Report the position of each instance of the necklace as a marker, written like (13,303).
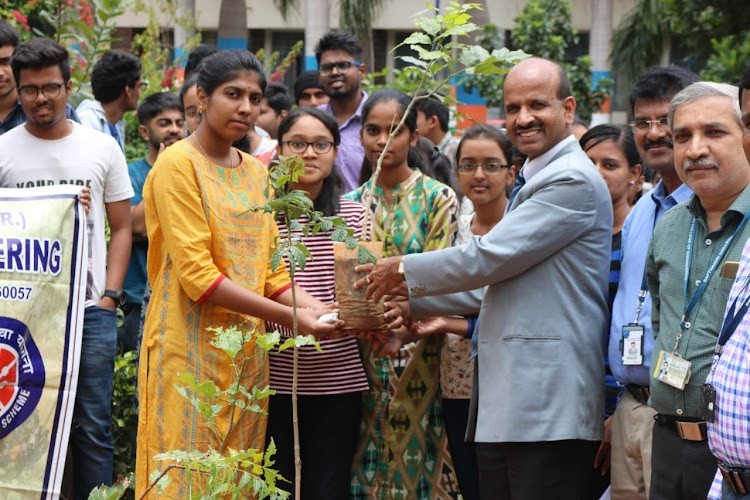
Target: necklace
(203,151)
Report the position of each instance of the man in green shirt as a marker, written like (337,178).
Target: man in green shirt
(703,235)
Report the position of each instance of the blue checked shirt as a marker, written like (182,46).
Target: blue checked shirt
(729,435)
(17,117)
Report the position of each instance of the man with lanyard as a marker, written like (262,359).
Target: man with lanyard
(633,422)
(727,401)
(341,71)
(690,266)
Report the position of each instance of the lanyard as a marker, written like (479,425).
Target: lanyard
(698,293)
(644,285)
(732,319)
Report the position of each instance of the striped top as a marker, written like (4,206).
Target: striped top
(338,369)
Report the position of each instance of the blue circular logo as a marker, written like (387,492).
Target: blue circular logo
(21,375)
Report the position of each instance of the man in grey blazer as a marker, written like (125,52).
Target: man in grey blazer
(539,377)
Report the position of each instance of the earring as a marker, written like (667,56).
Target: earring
(631,182)
(201,109)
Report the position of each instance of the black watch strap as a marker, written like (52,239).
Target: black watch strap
(115,295)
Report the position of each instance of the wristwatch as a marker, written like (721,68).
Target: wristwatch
(401,269)
(115,295)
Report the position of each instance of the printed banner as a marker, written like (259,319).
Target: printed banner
(43,271)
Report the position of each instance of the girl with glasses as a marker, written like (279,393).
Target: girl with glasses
(330,383)
(485,175)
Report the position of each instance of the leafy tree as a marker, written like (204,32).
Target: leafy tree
(730,57)
(703,29)
(490,87)
(545,28)
(640,39)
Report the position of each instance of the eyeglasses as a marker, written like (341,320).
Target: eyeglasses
(487,168)
(48,90)
(140,84)
(645,125)
(327,68)
(299,147)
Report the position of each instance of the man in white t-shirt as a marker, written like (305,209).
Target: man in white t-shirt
(48,150)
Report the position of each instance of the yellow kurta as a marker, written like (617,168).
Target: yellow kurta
(197,237)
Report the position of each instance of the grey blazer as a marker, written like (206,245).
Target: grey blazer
(543,317)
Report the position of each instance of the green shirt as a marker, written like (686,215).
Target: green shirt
(665,270)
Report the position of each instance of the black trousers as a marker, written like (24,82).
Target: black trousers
(544,470)
(456,417)
(680,470)
(127,333)
(329,432)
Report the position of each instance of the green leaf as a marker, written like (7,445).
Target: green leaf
(228,340)
(364,256)
(276,257)
(351,243)
(429,55)
(473,55)
(288,343)
(303,340)
(429,25)
(268,341)
(163,483)
(414,61)
(417,38)
(339,235)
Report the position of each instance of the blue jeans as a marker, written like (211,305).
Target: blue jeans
(90,435)
(727,494)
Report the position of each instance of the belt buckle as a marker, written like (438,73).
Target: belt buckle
(738,483)
(690,431)
(732,479)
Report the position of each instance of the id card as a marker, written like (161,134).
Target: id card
(631,345)
(672,370)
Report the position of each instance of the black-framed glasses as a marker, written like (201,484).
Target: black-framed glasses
(642,125)
(299,147)
(327,68)
(48,90)
(487,168)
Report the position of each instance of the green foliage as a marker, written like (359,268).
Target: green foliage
(406,80)
(118,490)
(85,27)
(224,471)
(237,474)
(294,204)
(695,23)
(545,28)
(702,29)
(441,52)
(275,67)
(124,414)
(158,69)
(490,87)
(730,57)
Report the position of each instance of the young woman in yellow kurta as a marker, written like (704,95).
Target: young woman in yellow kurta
(209,265)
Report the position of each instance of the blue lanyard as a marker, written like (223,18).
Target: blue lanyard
(698,293)
(644,284)
(732,319)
